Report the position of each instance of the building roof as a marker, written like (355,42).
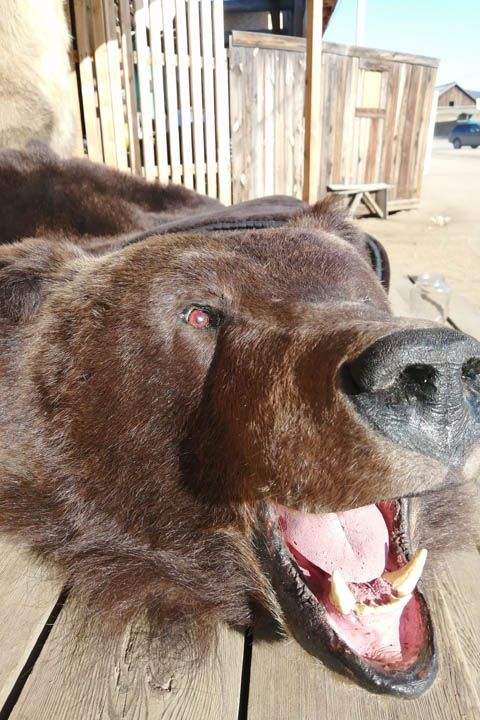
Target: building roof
(473,93)
(443,88)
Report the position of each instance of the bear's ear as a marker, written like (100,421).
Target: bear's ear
(27,270)
(379,260)
(331,216)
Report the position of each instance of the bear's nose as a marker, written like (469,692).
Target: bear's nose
(420,388)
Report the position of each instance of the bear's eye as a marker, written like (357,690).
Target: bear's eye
(201,316)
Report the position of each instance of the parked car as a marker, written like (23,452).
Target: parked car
(465,134)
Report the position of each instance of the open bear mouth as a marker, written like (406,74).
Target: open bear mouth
(351,592)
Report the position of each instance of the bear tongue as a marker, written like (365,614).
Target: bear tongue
(354,542)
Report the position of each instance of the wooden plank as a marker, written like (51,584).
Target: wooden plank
(84,679)
(130,92)
(103,83)
(156,30)
(279,113)
(78,149)
(184,93)
(209,96)
(286,682)
(196,89)
(221,106)
(379,55)
(268,41)
(313,107)
(85,54)
(172,97)
(258,144)
(116,92)
(299,123)
(143,70)
(28,595)
(268,125)
(286,82)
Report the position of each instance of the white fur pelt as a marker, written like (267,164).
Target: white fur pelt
(36,100)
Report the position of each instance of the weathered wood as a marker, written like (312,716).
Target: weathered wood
(172,91)
(197,102)
(103,83)
(379,55)
(113,55)
(84,679)
(267,41)
(209,96)
(89,104)
(28,595)
(313,106)
(143,57)
(130,94)
(184,92)
(221,106)
(286,682)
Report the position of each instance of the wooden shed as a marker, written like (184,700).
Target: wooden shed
(452,95)
(376,109)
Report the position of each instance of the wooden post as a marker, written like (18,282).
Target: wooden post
(313,114)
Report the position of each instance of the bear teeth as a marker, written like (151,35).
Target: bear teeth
(406,578)
(403,581)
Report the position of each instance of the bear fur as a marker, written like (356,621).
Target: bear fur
(135,449)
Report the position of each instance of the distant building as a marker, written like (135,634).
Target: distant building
(455,105)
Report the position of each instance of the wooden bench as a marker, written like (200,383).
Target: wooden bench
(365,193)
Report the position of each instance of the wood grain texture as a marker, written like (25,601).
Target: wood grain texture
(28,594)
(90,680)
(288,683)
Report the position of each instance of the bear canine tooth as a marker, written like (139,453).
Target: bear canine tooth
(340,594)
(406,578)
(361,609)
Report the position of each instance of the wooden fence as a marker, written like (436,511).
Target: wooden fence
(267,93)
(376,108)
(153,89)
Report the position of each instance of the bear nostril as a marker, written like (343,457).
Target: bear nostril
(471,372)
(419,381)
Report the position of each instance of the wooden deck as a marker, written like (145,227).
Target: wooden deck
(46,674)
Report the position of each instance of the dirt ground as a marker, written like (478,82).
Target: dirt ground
(423,240)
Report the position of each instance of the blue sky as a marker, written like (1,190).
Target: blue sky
(438,28)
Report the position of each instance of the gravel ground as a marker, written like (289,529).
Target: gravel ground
(424,239)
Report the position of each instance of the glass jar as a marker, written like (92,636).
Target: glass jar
(430,297)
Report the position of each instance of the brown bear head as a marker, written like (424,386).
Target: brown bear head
(208,425)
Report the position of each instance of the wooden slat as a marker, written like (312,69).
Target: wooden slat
(258,123)
(184,93)
(156,30)
(209,96)
(103,83)
(78,149)
(313,108)
(379,55)
(87,680)
(143,69)
(196,89)
(268,41)
(28,594)
(172,97)
(221,106)
(130,92)
(299,125)
(113,54)
(286,682)
(85,54)
(268,125)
